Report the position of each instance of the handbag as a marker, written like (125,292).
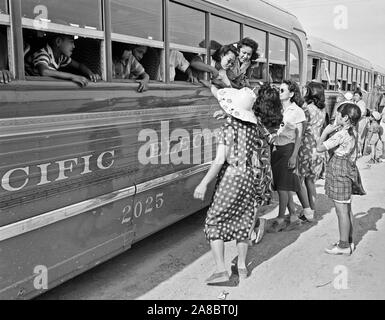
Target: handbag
(357,187)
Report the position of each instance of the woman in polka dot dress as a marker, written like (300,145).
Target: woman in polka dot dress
(241,163)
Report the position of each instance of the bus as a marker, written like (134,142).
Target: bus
(341,71)
(87,172)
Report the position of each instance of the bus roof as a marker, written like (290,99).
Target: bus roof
(263,11)
(323,47)
(379,69)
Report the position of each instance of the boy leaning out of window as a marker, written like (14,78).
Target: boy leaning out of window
(56,55)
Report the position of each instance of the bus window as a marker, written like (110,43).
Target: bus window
(3,7)
(137,23)
(86,51)
(294,62)
(74,23)
(339,74)
(332,72)
(138,18)
(354,79)
(277,58)
(258,69)
(315,69)
(3,51)
(367,81)
(325,77)
(187,35)
(224,31)
(187,26)
(344,77)
(76,13)
(131,61)
(350,74)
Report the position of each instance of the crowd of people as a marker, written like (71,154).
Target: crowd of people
(279,140)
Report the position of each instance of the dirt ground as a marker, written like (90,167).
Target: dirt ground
(174,263)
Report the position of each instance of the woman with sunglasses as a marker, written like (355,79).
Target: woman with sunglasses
(284,156)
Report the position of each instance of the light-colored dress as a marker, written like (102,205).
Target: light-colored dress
(310,162)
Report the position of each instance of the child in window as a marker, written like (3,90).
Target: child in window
(340,171)
(374,134)
(129,67)
(5,74)
(56,55)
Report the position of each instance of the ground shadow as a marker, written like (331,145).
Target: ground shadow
(159,257)
(273,243)
(365,222)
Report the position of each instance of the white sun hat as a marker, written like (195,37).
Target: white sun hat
(348,96)
(238,103)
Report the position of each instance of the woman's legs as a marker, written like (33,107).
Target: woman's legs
(344,224)
(218,250)
(242,247)
(283,197)
(303,196)
(351,218)
(311,191)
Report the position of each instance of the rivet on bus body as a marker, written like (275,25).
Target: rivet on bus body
(5,180)
(63,168)
(100,160)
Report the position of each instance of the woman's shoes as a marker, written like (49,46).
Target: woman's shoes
(243,273)
(307,215)
(258,232)
(336,250)
(218,277)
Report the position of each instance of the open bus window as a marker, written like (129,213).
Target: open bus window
(3,49)
(86,51)
(187,42)
(130,61)
(258,69)
(75,13)
(276,73)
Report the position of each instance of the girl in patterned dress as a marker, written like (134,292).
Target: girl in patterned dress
(340,171)
(241,161)
(310,162)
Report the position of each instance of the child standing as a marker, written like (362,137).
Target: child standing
(340,171)
(241,160)
(374,134)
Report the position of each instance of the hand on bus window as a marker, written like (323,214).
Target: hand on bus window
(80,80)
(5,76)
(192,79)
(94,77)
(143,85)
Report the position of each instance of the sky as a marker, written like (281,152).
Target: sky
(357,26)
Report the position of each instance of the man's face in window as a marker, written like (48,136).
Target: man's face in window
(139,52)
